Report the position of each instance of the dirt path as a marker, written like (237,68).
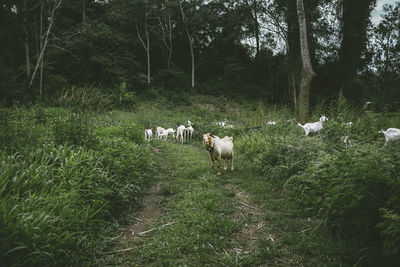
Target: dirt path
(199,232)
(144,218)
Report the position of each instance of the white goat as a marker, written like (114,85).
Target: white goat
(148,134)
(271,123)
(180,133)
(189,131)
(159,131)
(166,133)
(346,141)
(224,124)
(219,149)
(391,134)
(313,126)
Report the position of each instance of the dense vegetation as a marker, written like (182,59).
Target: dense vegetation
(66,178)
(81,80)
(69,178)
(243,48)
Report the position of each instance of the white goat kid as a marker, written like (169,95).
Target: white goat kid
(189,131)
(148,134)
(180,133)
(391,134)
(159,131)
(219,149)
(312,127)
(165,134)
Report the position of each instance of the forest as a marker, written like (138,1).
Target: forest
(307,92)
(247,48)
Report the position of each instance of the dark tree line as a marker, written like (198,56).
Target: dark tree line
(246,47)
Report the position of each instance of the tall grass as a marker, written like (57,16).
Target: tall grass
(354,189)
(64,182)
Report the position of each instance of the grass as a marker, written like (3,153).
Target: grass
(69,181)
(208,225)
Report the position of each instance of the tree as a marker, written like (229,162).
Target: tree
(355,19)
(189,36)
(143,28)
(166,26)
(307,72)
(45,37)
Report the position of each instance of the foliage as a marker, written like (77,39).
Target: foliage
(74,129)
(84,98)
(64,185)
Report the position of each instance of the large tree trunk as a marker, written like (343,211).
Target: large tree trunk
(293,49)
(355,21)
(307,72)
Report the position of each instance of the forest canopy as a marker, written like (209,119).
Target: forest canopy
(223,47)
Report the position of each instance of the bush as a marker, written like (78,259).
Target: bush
(58,201)
(357,189)
(278,156)
(55,207)
(17,129)
(75,130)
(84,98)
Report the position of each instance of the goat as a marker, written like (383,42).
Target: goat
(189,131)
(271,123)
(148,134)
(391,134)
(159,131)
(313,126)
(166,133)
(219,149)
(224,124)
(346,141)
(180,133)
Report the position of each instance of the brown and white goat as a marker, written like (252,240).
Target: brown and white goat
(219,149)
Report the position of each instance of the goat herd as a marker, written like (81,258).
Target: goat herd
(222,148)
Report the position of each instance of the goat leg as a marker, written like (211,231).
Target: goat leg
(219,165)
(232,168)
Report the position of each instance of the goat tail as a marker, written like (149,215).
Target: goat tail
(299,124)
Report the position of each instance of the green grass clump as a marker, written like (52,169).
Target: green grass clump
(355,189)
(75,130)
(64,183)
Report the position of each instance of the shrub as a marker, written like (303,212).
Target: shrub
(17,129)
(84,98)
(278,156)
(58,201)
(358,190)
(73,129)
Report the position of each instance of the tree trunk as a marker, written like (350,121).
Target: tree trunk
(40,49)
(46,39)
(192,54)
(257,27)
(307,72)
(166,26)
(26,40)
(355,21)
(147,53)
(184,19)
(146,46)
